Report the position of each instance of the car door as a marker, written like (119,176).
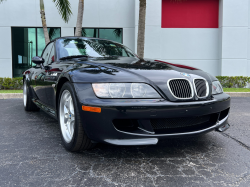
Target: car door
(53,71)
(38,78)
(50,79)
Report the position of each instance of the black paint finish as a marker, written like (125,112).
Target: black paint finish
(46,81)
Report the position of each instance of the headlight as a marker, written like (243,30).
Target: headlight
(124,90)
(216,88)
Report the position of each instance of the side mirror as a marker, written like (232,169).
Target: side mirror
(38,60)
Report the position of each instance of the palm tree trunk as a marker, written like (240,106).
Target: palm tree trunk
(79,18)
(45,30)
(141,28)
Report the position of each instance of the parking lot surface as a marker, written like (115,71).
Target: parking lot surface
(31,154)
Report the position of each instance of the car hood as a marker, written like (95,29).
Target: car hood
(130,69)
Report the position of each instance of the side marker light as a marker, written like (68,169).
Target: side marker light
(91,109)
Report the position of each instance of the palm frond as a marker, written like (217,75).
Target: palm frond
(83,32)
(64,9)
(2,1)
(52,32)
(117,33)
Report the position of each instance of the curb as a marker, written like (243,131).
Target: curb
(20,95)
(238,94)
(11,95)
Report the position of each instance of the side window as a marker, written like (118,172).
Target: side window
(52,55)
(46,53)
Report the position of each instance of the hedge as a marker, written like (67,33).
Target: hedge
(233,82)
(226,82)
(11,83)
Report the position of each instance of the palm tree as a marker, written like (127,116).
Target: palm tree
(64,9)
(78,31)
(141,27)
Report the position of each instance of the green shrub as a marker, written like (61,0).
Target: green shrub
(226,82)
(233,82)
(1,82)
(8,83)
(11,83)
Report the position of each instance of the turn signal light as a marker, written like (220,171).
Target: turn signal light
(91,109)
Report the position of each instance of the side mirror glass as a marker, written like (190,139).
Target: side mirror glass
(38,60)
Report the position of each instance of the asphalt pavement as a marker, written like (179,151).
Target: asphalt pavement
(31,154)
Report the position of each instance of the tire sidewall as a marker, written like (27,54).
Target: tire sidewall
(69,146)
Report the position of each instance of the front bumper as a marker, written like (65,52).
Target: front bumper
(100,127)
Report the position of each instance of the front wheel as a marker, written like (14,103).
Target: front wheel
(73,136)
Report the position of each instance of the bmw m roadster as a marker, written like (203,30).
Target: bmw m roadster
(100,91)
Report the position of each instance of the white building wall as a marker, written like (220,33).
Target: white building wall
(222,51)
(97,14)
(235,29)
(248,44)
(190,46)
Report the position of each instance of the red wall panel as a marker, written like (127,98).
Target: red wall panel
(190,14)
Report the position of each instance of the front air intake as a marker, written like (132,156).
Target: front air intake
(201,88)
(173,123)
(180,88)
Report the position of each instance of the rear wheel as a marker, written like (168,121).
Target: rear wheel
(73,136)
(27,99)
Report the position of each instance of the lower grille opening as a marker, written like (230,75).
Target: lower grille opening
(224,114)
(185,124)
(127,125)
(168,125)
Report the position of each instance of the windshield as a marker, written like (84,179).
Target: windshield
(91,47)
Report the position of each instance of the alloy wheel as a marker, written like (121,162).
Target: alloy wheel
(67,116)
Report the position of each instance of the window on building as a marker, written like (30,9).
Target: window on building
(27,43)
(109,34)
(190,14)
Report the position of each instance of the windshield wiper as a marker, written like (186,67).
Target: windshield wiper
(73,56)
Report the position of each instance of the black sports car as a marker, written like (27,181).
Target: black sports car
(100,91)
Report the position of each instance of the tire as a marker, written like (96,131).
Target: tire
(74,139)
(27,99)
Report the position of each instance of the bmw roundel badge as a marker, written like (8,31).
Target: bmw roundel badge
(185,75)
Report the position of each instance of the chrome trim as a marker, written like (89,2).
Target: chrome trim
(223,128)
(146,130)
(191,86)
(206,86)
(143,141)
(179,134)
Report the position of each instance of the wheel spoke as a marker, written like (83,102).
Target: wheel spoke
(71,106)
(66,110)
(66,118)
(67,104)
(67,97)
(72,117)
(69,128)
